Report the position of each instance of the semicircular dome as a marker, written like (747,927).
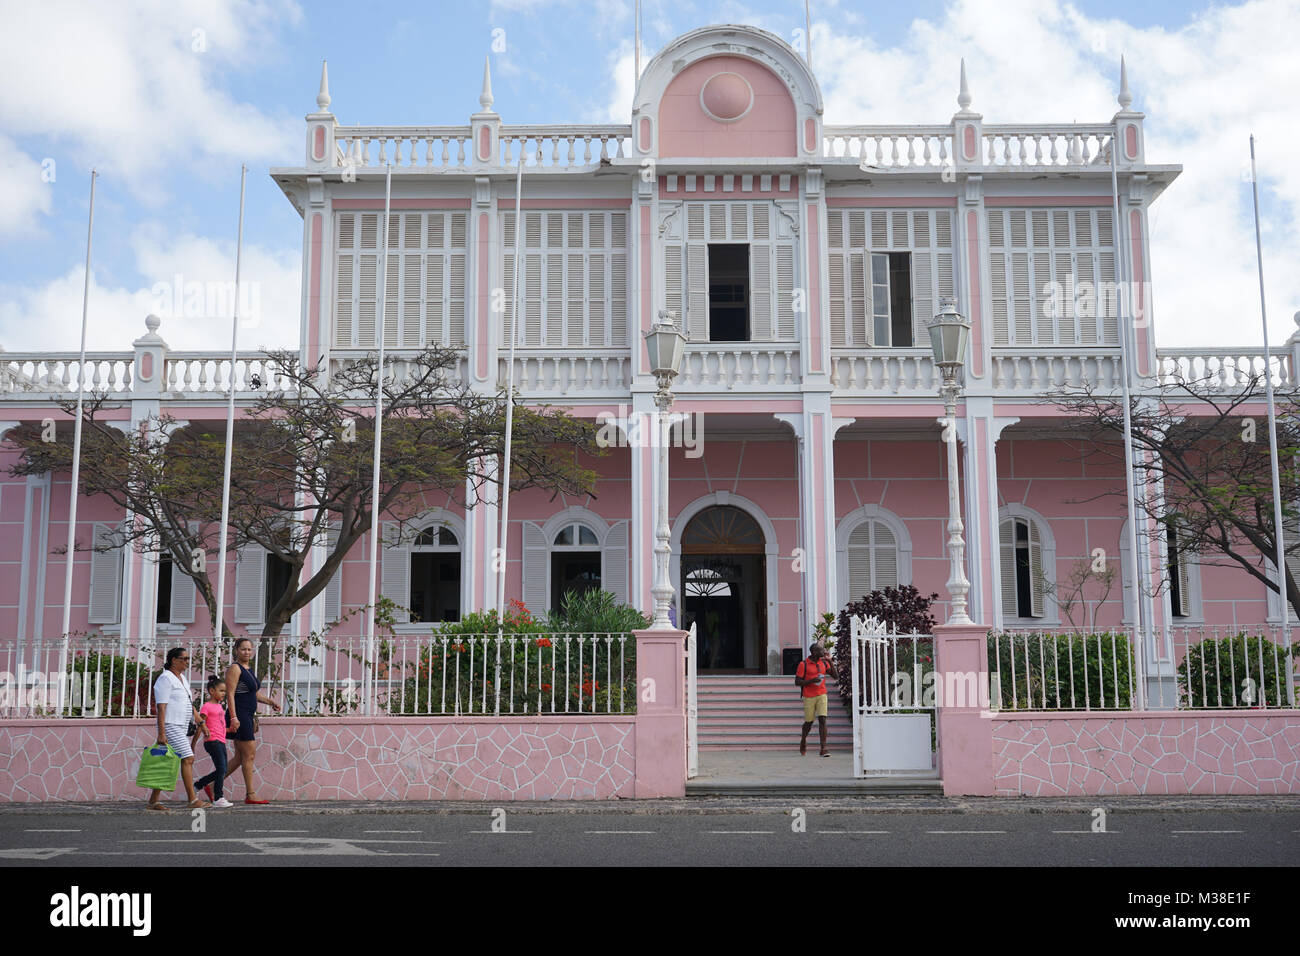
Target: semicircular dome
(726,96)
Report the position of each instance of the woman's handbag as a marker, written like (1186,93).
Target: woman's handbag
(160,767)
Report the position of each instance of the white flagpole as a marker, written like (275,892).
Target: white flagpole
(636,54)
(510,388)
(1280,556)
(222,533)
(76,443)
(1140,626)
(367,674)
(807,29)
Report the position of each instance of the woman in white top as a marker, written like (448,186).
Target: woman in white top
(175,706)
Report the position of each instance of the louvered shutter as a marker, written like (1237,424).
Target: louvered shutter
(395,573)
(435,282)
(573,283)
(618,280)
(836,276)
(1007,566)
(697,292)
(554,268)
(884,556)
(183,589)
(673,278)
(413,298)
(532,295)
(1020,297)
(785,291)
(861,328)
(1035,571)
(998,281)
(345,280)
(250,584)
(334,589)
(614,574)
(392,306)
(456,270)
(105,603)
(860,562)
(760,309)
(535,570)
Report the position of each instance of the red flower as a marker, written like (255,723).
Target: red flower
(590,687)
(543,642)
(546,687)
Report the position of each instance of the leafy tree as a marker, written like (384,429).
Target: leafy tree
(1201,463)
(302,464)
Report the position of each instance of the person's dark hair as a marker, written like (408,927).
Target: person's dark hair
(214,680)
(240,640)
(174,653)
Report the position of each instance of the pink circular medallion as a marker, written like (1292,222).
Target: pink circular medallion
(726,97)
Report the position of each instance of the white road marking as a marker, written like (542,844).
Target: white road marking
(277,831)
(1085,831)
(852,831)
(390,831)
(752,832)
(965,831)
(500,831)
(51,831)
(36,852)
(1208,831)
(618,831)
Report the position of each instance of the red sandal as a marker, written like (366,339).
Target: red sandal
(258,802)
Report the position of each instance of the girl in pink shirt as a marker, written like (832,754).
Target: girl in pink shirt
(214,734)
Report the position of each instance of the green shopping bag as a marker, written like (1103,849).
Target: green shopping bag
(159,768)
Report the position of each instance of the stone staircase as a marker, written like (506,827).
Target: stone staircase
(751,712)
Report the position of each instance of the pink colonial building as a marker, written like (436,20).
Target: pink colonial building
(804,260)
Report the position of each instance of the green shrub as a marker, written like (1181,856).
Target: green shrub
(1061,671)
(123,685)
(1238,671)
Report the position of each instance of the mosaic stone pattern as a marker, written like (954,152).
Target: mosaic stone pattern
(302,759)
(1151,754)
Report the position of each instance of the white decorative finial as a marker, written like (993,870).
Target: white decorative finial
(485,98)
(1125,97)
(323,97)
(151,322)
(963,96)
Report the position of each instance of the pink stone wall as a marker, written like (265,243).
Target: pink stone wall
(1045,755)
(413,758)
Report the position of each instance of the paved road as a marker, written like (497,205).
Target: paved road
(757,834)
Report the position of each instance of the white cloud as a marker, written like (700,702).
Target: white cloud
(26,191)
(189,283)
(135,89)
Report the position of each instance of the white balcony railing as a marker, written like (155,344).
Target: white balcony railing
(727,366)
(449,147)
(907,146)
(1064,144)
(1018,370)
(1226,369)
(594,372)
(59,373)
(891,371)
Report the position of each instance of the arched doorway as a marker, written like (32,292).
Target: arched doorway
(723,588)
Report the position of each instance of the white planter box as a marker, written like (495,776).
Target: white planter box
(896,742)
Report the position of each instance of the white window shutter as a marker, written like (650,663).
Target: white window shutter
(250,584)
(697,291)
(884,556)
(785,317)
(614,574)
(860,562)
(183,589)
(536,559)
(838,295)
(1007,566)
(395,573)
(105,578)
(334,589)
(760,312)
(1035,571)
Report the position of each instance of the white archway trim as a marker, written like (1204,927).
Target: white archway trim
(770,549)
(1051,613)
(440,516)
(848,524)
(612,547)
(581,515)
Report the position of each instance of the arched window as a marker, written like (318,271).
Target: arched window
(435,575)
(1027,564)
(873,559)
(575,562)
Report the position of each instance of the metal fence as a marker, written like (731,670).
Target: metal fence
(1188,668)
(402,675)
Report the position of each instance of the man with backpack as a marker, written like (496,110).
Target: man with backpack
(810,675)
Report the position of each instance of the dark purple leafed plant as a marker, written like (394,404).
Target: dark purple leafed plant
(906,608)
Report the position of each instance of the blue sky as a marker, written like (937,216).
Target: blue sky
(167,114)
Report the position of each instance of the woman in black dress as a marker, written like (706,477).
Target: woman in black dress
(247,692)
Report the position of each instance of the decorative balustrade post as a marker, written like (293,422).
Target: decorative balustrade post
(660,727)
(320,128)
(149,367)
(485,128)
(967,131)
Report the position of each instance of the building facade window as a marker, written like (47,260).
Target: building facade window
(1027,559)
(575,563)
(435,576)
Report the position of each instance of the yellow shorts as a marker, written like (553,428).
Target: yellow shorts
(814,707)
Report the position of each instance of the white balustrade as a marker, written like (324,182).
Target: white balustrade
(891,371)
(206,373)
(1046,368)
(561,373)
(563,146)
(907,146)
(1056,145)
(728,366)
(1226,369)
(432,146)
(53,373)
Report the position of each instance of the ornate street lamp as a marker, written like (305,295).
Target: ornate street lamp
(665,346)
(949,332)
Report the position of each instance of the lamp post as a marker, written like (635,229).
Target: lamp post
(949,332)
(664,345)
